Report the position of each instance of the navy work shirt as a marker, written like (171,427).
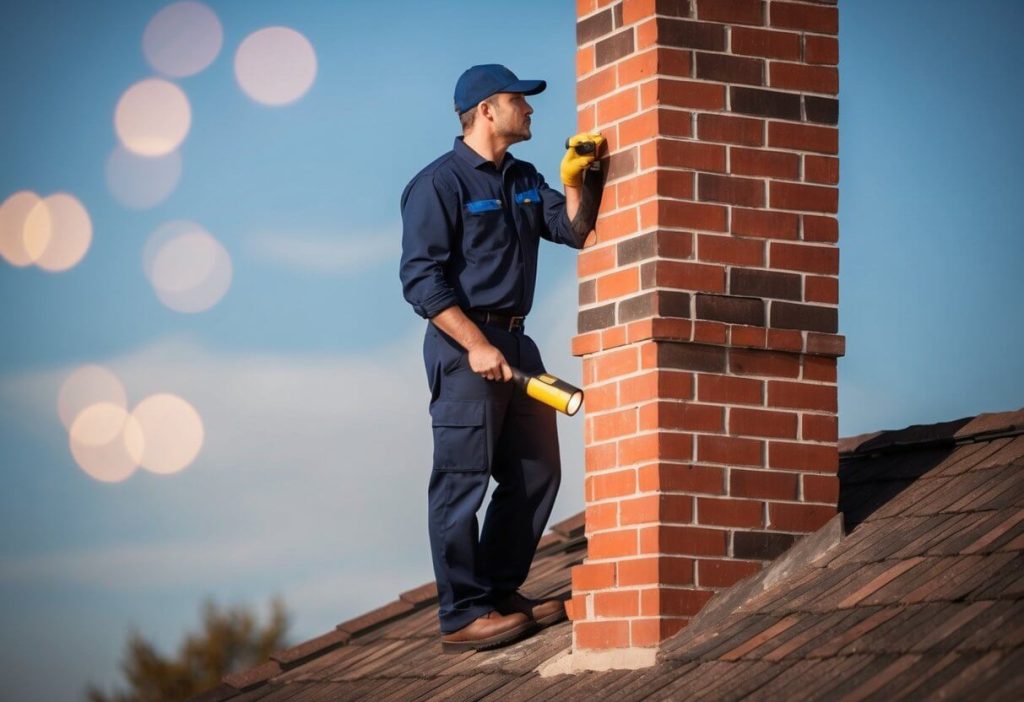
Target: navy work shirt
(470,232)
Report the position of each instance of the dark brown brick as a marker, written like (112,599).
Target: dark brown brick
(672,8)
(746,281)
(614,47)
(659,303)
(735,191)
(787,315)
(588,292)
(765,103)
(596,318)
(730,69)
(737,310)
(636,248)
(822,110)
(617,15)
(691,35)
(732,12)
(687,356)
(760,545)
(593,27)
(621,163)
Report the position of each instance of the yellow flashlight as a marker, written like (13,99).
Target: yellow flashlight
(550,390)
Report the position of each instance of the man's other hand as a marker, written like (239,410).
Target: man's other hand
(488,362)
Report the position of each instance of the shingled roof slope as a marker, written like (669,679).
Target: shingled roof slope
(924,598)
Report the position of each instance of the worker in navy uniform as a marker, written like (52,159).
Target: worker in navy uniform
(472,222)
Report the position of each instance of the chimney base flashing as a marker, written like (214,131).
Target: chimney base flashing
(586,660)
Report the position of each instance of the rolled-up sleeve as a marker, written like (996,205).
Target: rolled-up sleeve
(556,220)
(428,213)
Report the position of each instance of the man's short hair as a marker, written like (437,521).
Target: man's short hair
(468,118)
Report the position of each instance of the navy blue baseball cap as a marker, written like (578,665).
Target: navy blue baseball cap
(480,82)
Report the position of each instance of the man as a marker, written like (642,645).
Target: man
(472,221)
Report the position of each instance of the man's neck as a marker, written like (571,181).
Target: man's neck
(489,146)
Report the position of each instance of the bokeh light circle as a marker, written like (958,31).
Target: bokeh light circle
(173,432)
(58,232)
(189,269)
(141,182)
(105,442)
(182,39)
(275,66)
(85,386)
(13,213)
(152,117)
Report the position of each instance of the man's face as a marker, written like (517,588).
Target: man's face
(512,117)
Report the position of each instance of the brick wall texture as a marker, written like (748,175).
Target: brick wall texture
(708,301)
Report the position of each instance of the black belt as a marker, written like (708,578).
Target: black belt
(507,322)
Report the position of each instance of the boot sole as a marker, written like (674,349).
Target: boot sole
(552,618)
(495,641)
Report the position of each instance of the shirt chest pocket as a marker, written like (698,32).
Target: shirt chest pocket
(529,207)
(485,227)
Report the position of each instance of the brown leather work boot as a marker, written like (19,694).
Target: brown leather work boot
(489,631)
(544,612)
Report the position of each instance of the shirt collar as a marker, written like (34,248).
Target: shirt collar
(476,160)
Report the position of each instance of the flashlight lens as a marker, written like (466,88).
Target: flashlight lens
(573,406)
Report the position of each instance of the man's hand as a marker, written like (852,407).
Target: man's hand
(573,164)
(488,362)
(484,359)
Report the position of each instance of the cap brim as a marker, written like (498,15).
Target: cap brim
(526,87)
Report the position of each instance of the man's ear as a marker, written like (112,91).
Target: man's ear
(485,110)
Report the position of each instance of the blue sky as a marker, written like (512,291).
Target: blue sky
(307,374)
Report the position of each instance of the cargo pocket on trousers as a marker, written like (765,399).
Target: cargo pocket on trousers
(460,435)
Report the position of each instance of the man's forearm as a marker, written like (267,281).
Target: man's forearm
(583,202)
(454,322)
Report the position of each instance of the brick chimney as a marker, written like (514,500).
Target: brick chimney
(708,305)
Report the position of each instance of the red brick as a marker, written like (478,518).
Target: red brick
(730,450)
(593,576)
(596,260)
(730,512)
(817,368)
(602,516)
(638,389)
(763,484)
(812,18)
(584,60)
(607,485)
(615,424)
(734,191)
(601,456)
(728,390)
(798,76)
(743,336)
(733,12)
(683,154)
(821,488)
(586,343)
(593,87)
(818,228)
(785,340)
(757,162)
(716,573)
(618,284)
(683,93)
(615,363)
(613,338)
(781,365)
(639,66)
(802,396)
(800,456)
(821,289)
(760,42)
(617,603)
(612,544)
(576,607)
(819,49)
(686,478)
(821,169)
(820,427)
(683,540)
(682,415)
(803,137)
(732,130)
(617,225)
(688,215)
(730,249)
(678,601)
(671,329)
(585,119)
(642,127)
(654,570)
(764,423)
(796,196)
(769,225)
(650,632)
(617,106)
(601,635)
(804,257)
(656,446)
(710,332)
(657,508)
(797,517)
(677,184)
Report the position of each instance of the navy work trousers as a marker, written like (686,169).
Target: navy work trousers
(485,429)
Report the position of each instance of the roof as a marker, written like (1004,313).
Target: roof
(923,598)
